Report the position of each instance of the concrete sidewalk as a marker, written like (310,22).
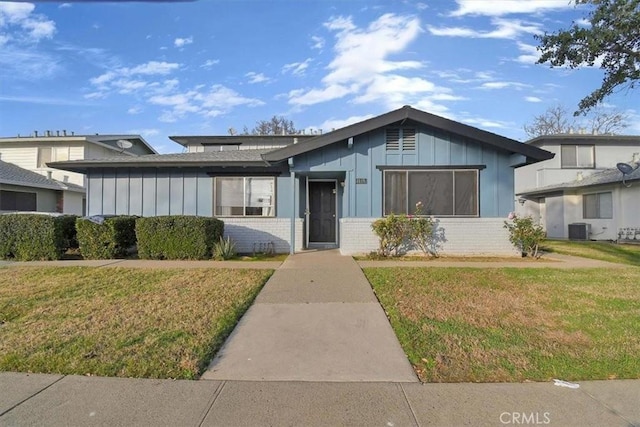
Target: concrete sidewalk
(316,319)
(34,400)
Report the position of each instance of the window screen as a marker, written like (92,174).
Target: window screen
(441,192)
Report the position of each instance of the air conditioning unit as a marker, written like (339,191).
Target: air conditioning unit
(579,231)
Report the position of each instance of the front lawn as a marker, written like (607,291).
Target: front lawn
(605,251)
(488,325)
(120,322)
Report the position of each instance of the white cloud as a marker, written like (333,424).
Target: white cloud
(503,85)
(486,123)
(297,68)
(153,68)
(361,66)
(257,77)
(181,42)
(144,132)
(532,99)
(127,80)
(212,102)
(530,54)
(134,110)
(504,29)
(18,24)
(64,5)
(210,63)
(318,42)
(332,124)
(505,7)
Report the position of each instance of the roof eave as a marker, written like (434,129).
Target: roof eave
(82,167)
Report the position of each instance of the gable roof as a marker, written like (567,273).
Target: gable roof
(108,141)
(606,176)
(238,139)
(11,174)
(409,113)
(207,158)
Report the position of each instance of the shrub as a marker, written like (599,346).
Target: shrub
(392,232)
(224,249)
(398,232)
(33,237)
(177,237)
(69,232)
(110,239)
(525,234)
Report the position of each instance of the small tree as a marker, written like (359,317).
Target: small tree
(611,41)
(525,234)
(422,232)
(277,125)
(557,120)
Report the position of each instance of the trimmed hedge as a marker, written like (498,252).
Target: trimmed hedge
(33,237)
(111,239)
(177,237)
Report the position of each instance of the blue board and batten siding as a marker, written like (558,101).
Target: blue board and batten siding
(154,192)
(189,191)
(433,148)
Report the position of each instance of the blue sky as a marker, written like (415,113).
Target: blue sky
(202,67)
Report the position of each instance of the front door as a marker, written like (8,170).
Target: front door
(322,211)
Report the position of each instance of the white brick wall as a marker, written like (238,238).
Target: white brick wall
(464,236)
(247,231)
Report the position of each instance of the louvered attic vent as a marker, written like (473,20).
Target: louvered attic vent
(408,139)
(393,139)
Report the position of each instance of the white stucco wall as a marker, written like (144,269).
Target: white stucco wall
(464,237)
(72,203)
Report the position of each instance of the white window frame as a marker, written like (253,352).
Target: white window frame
(576,148)
(599,209)
(271,213)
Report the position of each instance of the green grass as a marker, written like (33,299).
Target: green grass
(605,251)
(488,325)
(120,322)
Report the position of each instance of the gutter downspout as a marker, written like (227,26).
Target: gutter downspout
(292,245)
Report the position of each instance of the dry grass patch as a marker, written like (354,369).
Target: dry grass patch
(486,325)
(120,322)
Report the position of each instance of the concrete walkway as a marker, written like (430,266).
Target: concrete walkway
(52,400)
(315,349)
(316,319)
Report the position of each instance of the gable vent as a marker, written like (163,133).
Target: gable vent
(408,139)
(393,139)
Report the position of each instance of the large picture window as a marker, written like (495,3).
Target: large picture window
(577,156)
(244,196)
(441,192)
(597,206)
(17,201)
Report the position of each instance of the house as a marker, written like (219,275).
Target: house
(22,190)
(580,192)
(293,192)
(34,152)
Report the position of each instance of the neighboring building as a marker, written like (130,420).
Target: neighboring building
(325,191)
(33,153)
(22,190)
(581,188)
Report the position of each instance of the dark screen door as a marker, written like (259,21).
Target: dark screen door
(322,212)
